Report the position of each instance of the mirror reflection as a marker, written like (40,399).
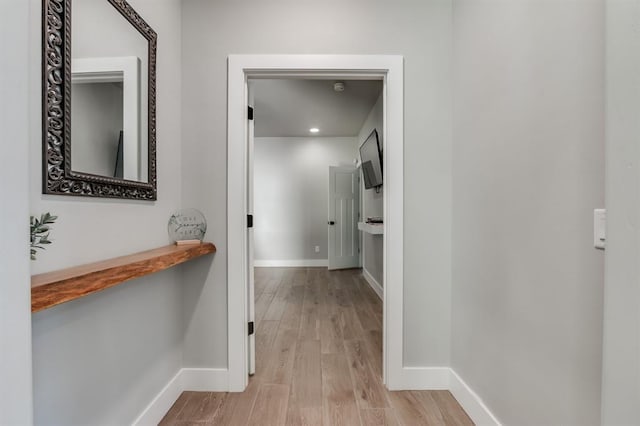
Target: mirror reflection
(96,126)
(109,93)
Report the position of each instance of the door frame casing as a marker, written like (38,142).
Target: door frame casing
(390,69)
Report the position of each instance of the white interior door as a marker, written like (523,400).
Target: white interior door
(250,273)
(344,208)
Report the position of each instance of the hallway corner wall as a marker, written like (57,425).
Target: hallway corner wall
(528,170)
(621,342)
(16,387)
(102,358)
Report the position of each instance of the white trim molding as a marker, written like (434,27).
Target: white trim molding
(444,378)
(375,285)
(471,402)
(205,379)
(291,263)
(187,379)
(413,378)
(158,407)
(424,378)
(389,69)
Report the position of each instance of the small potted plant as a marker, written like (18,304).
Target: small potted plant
(40,232)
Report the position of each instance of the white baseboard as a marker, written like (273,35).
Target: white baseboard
(187,379)
(444,378)
(291,263)
(471,402)
(375,285)
(158,407)
(411,378)
(205,379)
(422,378)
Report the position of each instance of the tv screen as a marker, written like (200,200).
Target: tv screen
(371,159)
(118,173)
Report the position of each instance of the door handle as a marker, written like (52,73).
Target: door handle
(331,222)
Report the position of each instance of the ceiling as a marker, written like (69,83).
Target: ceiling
(290,107)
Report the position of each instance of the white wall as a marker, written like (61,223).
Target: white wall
(291,199)
(101,359)
(621,357)
(421,32)
(372,201)
(528,171)
(16,398)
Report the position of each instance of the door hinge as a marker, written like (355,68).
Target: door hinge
(250,113)
(249,221)
(251,328)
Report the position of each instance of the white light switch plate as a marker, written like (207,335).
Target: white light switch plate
(599,228)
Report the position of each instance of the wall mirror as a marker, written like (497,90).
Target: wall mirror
(99,121)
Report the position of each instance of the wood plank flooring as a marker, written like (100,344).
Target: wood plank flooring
(318,362)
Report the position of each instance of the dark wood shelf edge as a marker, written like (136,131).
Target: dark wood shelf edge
(53,288)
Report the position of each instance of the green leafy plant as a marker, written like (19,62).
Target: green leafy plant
(40,232)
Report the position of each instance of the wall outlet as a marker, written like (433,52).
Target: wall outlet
(599,228)
(317,249)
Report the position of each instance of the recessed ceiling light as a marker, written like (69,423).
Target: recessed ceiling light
(314,130)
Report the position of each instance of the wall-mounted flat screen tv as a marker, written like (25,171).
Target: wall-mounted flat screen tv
(371,160)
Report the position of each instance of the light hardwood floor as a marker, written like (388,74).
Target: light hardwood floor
(318,361)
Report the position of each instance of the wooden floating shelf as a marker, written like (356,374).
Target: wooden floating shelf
(53,288)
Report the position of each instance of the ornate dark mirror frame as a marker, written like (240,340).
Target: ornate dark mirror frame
(57,175)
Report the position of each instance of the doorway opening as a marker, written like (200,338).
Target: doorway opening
(311,300)
(242,70)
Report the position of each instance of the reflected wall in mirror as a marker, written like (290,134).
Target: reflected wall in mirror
(105,118)
(99,100)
